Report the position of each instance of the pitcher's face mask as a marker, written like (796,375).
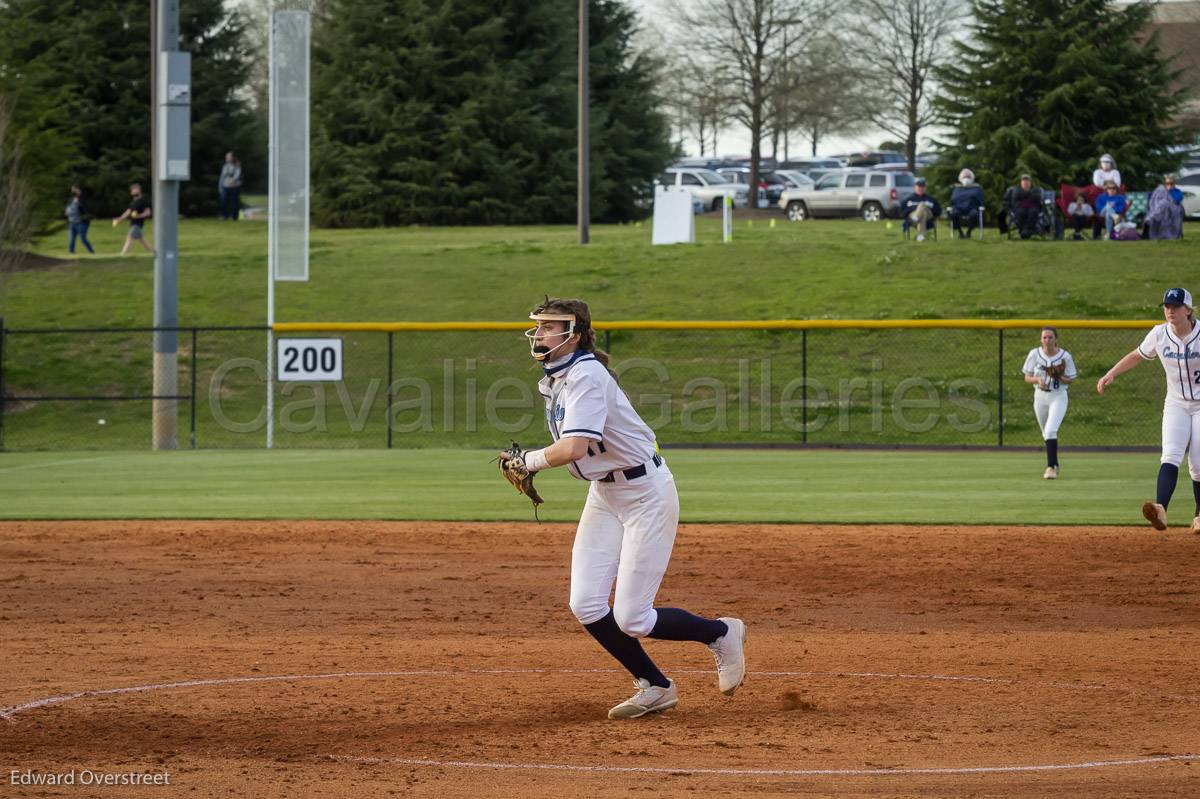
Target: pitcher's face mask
(545,339)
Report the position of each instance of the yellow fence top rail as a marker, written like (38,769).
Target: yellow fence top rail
(718,324)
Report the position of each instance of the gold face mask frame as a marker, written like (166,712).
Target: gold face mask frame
(531,333)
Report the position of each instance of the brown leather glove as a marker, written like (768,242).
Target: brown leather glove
(512,466)
(1055,371)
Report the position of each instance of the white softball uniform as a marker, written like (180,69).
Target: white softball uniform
(1050,403)
(627,529)
(1180,359)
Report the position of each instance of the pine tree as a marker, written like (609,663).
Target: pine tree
(414,119)
(460,112)
(630,135)
(79,76)
(1047,86)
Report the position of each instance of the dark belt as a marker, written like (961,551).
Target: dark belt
(631,473)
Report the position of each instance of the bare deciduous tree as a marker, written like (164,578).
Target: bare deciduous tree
(748,37)
(911,38)
(819,96)
(258,17)
(702,100)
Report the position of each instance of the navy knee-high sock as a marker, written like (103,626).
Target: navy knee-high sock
(626,649)
(1051,451)
(674,624)
(1168,475)
(1196,494)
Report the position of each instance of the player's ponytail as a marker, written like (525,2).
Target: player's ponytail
(583,326)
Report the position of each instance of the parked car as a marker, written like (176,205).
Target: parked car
(795,179)
(707,186)
(769,181)
(698,163)
(1191,203)
(877,158)
(813,167)
(871,194)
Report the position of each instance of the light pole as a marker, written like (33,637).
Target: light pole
(584,211)
(170,141)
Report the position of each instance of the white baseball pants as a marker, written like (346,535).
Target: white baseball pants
(625,534)
(1049,407)
(1180,432)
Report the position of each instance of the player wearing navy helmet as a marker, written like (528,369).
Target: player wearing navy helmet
(1176,344)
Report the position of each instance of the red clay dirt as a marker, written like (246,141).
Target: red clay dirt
(1081,644)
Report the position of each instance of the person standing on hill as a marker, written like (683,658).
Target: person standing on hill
(229,184)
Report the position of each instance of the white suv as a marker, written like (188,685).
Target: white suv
(707,186)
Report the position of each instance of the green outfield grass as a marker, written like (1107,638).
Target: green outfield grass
(715,486)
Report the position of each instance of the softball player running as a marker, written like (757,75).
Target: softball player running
(1176,343)
(1049,369)
(628,524)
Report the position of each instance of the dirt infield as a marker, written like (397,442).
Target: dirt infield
(402,659)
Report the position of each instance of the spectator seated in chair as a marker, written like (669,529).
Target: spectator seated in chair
(1164,219)
(966,202)
(1080,213)
(1110,210)
(1022,208)
(1107,171)
(920,209)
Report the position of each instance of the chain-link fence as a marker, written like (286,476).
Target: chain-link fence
(845,386)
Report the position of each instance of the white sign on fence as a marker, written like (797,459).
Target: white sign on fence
(309,359)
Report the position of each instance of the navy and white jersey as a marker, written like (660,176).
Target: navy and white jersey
(1180,359)
(1037,361)
(583,399)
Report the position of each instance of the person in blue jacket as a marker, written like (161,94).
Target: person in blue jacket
(1110,208)
(920,209)
(965,201)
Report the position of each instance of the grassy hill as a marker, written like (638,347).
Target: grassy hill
(824,269)
(731,387)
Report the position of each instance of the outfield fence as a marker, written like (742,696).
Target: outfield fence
(826,383)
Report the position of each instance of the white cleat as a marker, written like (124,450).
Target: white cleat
(730,653)
(1196,525)
(1051,473)
(648,699)
(1155,514)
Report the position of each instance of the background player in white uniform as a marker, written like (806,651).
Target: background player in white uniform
(1050,393)
(1176,343)
(627,529)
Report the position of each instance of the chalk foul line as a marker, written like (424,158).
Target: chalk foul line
(9,714)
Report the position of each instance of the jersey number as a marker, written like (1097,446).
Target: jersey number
(1196,377)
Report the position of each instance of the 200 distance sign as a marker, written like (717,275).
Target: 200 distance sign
(309,359)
